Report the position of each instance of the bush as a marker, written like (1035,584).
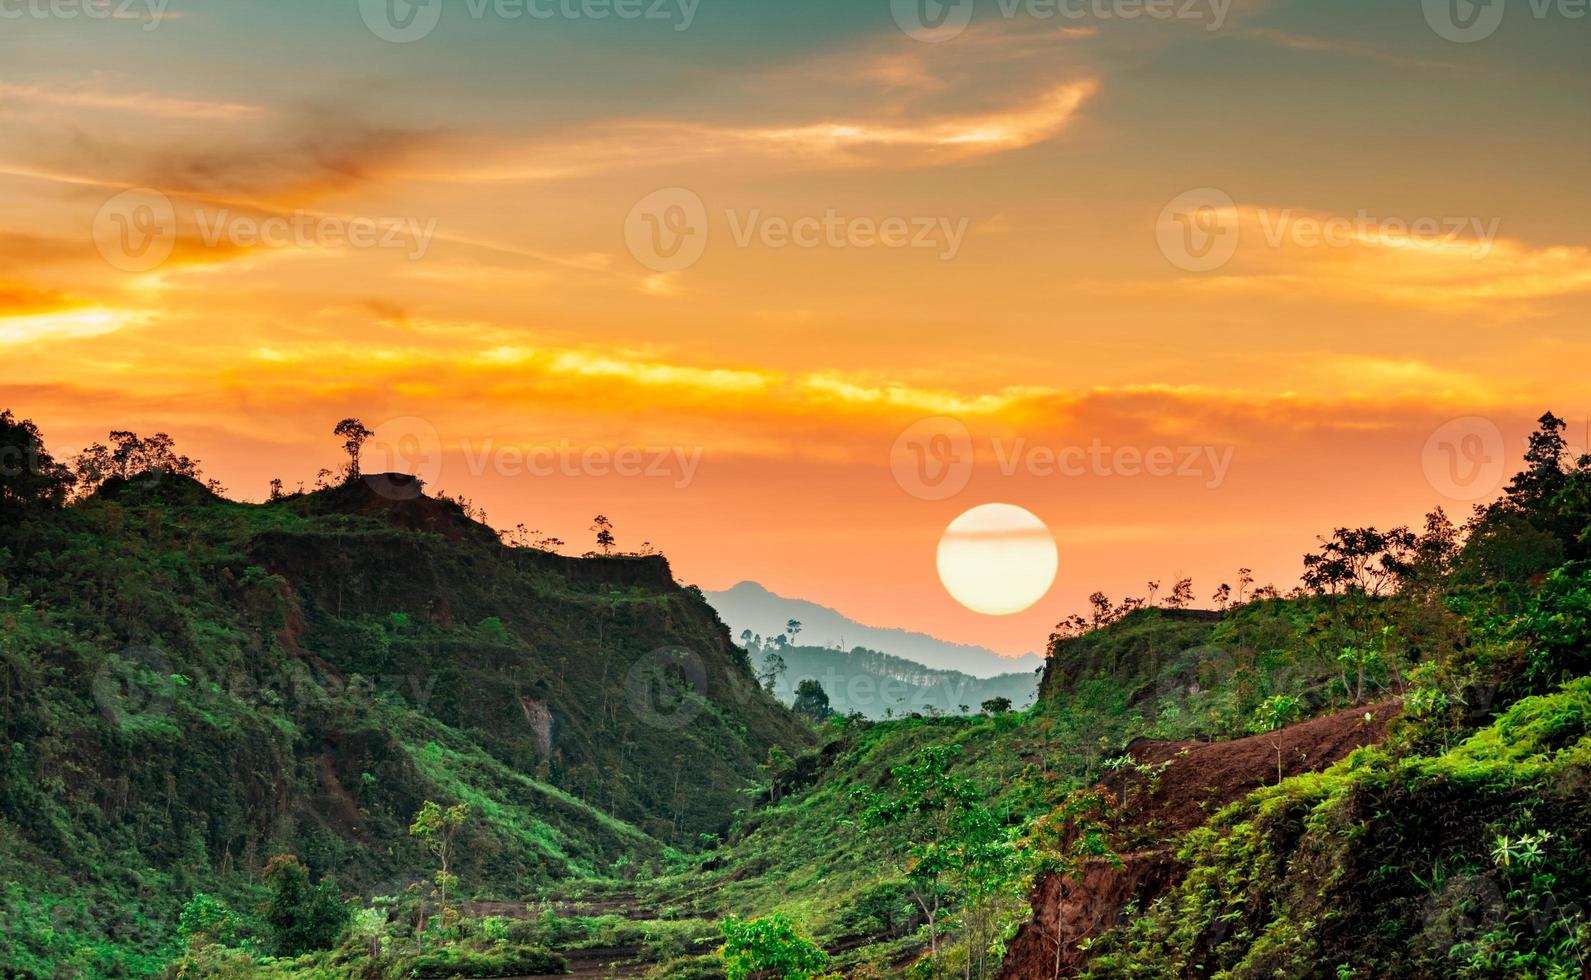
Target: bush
(771,944)
(303,918)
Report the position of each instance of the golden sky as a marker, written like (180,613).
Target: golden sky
(1191,287)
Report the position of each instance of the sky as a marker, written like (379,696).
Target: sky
(783,289)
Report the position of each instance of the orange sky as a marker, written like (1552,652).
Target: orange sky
(749,254)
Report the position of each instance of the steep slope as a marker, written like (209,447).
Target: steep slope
(1173,788)
(191,685)
(749,606)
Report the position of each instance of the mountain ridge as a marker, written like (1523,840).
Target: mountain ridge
(750,605)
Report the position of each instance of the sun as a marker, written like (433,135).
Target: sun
(997,559)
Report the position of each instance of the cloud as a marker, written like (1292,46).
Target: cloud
(105,97)
(1441,264)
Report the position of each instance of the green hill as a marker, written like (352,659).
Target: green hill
(190,686)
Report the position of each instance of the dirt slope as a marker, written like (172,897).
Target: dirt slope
(1194,779)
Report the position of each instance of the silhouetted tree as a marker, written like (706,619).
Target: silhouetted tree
(996,706)
(29,477)
(1181,594)
(793,628)
(354,434)
(1363,560)
(604,529)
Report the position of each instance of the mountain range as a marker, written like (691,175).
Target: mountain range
(750,606)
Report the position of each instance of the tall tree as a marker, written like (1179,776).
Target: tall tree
(604,529)
(354,434)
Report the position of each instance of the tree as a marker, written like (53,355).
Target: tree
(604,529)
(1181,594)
(29,477)
(772,666)
(437,827)
(302,917)
(354,434)
(1222,597)
(1360,560)
(1245,580)
(793,628)
(130,455)
(996,706)
(957,850)
(277,493)
(769,947)
(1154,587)
(745,638)
(1274,714)
(811,701)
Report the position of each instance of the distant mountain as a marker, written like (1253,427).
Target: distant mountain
(880,686)
(750,606)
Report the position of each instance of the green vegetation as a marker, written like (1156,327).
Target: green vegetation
(226,725)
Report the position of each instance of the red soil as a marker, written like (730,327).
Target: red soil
(1198,778)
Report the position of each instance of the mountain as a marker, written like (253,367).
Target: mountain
(750,606)
(190,685)
(878,686)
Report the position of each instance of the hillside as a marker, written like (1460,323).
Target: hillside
(191,685)
(878,686)
(1384,773)
(749,606)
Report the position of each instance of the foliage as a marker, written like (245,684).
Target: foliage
(770,947)
(302,917)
